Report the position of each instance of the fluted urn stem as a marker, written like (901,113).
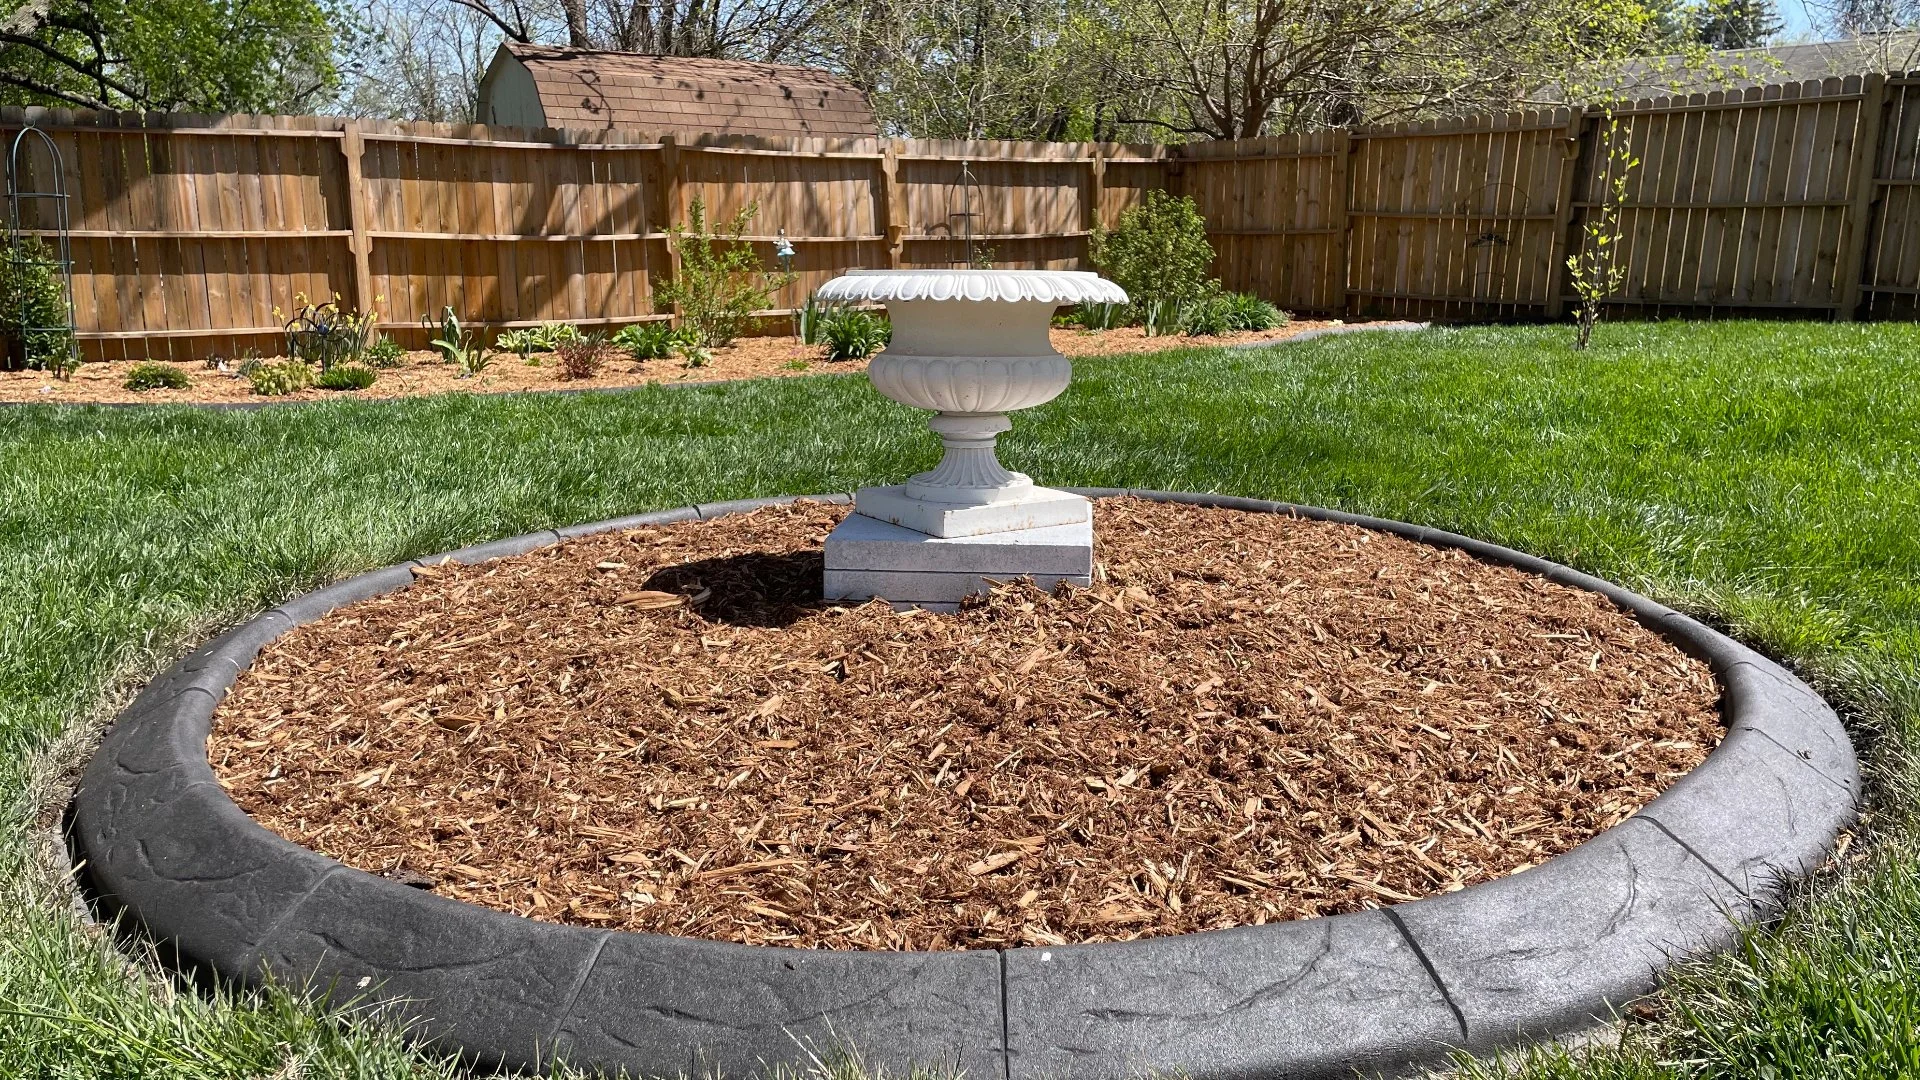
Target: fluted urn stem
(969,473)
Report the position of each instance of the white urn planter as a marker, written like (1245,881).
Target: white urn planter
(970,345)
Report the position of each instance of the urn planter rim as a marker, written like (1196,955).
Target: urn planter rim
(969,358)
(982,286)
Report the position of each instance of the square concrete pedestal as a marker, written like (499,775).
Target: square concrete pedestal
(1034,508)
(867,557)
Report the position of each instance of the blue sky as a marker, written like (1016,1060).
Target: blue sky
(1799,22)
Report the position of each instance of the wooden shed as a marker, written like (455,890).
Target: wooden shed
(544,86)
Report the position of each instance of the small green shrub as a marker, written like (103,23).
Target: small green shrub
(721,282)
(648,341)
(1223,313)
(324,335)
(280,378)
(152,376)
(1248,312)
(854,335)
(582,359)
(555,334)
(522,343)
(1162,316)
(448,335)
(797,365)
(1098,316)
(1158,252)
(385,353)
(456,346)
(472,361)
(33,308)
(1207,318)
(807,321)
(345,377)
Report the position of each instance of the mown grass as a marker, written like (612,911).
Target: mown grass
(1767,475)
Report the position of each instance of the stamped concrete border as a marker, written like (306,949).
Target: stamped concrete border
(1547,951)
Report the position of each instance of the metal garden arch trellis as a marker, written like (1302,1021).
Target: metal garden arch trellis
(20,256)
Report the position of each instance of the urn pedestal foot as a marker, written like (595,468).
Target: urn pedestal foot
(866,557)
(1027,507)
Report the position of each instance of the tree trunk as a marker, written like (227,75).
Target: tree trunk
(576,11)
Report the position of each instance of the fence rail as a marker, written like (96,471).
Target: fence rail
(192,234)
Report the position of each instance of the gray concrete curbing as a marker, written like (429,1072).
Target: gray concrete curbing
(1539,953)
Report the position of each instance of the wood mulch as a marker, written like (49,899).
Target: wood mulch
(423,374)
(1247,718)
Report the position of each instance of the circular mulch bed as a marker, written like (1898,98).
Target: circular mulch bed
(1249,717)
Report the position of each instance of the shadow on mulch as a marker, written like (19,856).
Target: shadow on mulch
(754,589)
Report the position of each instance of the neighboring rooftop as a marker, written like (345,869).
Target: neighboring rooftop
(544,86)
(1731,69)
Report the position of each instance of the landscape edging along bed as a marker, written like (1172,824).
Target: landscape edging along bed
(1538,953)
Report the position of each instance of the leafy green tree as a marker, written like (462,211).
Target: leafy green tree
(969,69)
(1851,18)
(1736,24)
(173,55)
(1232,69)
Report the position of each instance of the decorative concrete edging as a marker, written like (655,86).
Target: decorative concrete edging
(1539,953)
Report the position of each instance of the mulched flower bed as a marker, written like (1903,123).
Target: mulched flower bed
(424,374)
(1249,717)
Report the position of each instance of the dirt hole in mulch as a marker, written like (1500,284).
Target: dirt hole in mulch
(1251,718)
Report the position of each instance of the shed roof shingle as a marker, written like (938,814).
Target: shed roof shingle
(587,88)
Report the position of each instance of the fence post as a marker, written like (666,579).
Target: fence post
(892,206)
(1570,150)
(673,207)
(1096,189)
(1866,163)
(361,244)
(1342,193)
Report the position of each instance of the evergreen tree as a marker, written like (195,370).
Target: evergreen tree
(1736,24)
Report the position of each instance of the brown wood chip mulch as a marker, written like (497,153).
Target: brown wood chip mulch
(1250,718)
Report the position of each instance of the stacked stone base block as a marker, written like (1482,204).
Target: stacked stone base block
(1031,508)
(867,557)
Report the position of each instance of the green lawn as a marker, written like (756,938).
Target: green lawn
(1765,474)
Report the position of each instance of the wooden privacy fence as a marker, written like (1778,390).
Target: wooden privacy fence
(1794,198)
(189,232)
(195,235)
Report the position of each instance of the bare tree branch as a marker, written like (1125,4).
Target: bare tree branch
(27,82)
